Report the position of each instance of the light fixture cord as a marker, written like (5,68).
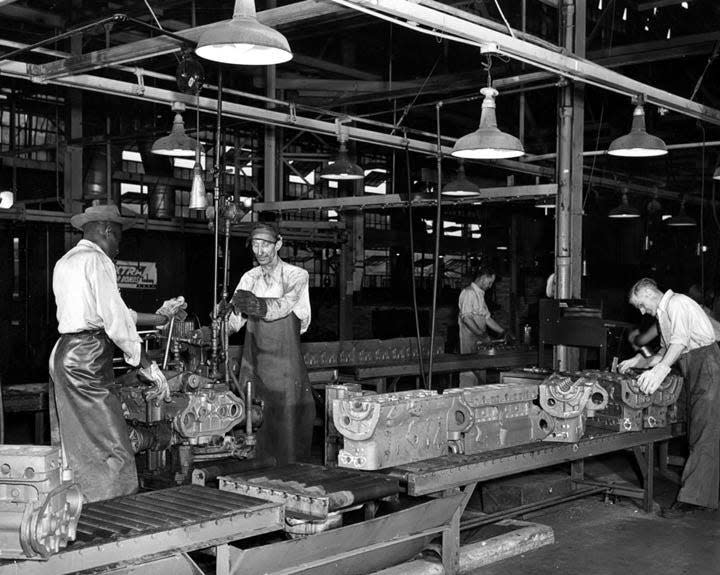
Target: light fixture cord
(407,109)
(502,15)
(487,65)
(702,213)
(157,22)
(436,255)
(412,269)
(197,130)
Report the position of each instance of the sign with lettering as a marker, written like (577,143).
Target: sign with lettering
(136,275)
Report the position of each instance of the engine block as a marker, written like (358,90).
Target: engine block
(391,428)
(569,399)
(40,511)
(488,417)
(629,409)
(396,428)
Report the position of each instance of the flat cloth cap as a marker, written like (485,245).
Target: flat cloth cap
(264,231)
(103,213)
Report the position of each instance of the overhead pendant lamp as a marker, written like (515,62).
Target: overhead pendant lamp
(638,143)
(460,186)
(624,210)
(243,40)
(681,220)
(177,143)
(488,142)
(198,197)
(342,168)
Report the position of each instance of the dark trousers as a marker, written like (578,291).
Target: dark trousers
(701,475)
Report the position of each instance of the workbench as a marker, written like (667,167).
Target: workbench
(28,398)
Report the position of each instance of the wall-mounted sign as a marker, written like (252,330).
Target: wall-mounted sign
(136,275)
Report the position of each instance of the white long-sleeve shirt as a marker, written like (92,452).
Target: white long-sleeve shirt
(683,321)
(88,298)
(286,291)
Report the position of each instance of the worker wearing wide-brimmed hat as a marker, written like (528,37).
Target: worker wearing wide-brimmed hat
(91,318)
(274,301)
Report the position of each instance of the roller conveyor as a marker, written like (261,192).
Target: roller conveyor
(148,526)
(311,490)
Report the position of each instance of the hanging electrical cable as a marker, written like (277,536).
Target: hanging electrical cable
(412,271)
(701,248)
(502,15)
(436,254)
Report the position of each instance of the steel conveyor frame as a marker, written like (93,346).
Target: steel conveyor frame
(449,473)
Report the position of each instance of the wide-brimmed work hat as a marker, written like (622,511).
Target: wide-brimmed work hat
(103,213)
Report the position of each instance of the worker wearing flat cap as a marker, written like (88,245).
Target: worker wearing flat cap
(273,300)
(687,338)
(92,318)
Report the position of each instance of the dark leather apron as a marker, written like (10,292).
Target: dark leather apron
(273,361)
(92,429)
(701,474)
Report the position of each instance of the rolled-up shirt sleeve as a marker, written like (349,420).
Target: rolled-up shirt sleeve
(295,290)
(116,317)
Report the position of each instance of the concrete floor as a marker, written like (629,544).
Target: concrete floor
(607,537)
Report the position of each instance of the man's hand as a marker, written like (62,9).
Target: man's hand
(248,303)
(635,361)
(223,309)
(174,307)
(650,380)
(160,389)
(508,337)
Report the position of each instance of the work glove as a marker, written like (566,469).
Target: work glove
(160,388)
(246,302)
(628,364)
(650,380)
(174,307)
(223,309)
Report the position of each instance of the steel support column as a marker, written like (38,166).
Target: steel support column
(73,162)
(568,230)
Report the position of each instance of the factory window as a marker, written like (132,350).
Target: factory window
(134,197)
(29,130)
(132,162)
(182,203)
(377,220)
(455,270)
(189,163)
(302,173)
(452,229)
(376,181)
(319,263)
(377,269)
(423,265)
(475,232)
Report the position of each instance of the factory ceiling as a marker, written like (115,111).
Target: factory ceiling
(380,68)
